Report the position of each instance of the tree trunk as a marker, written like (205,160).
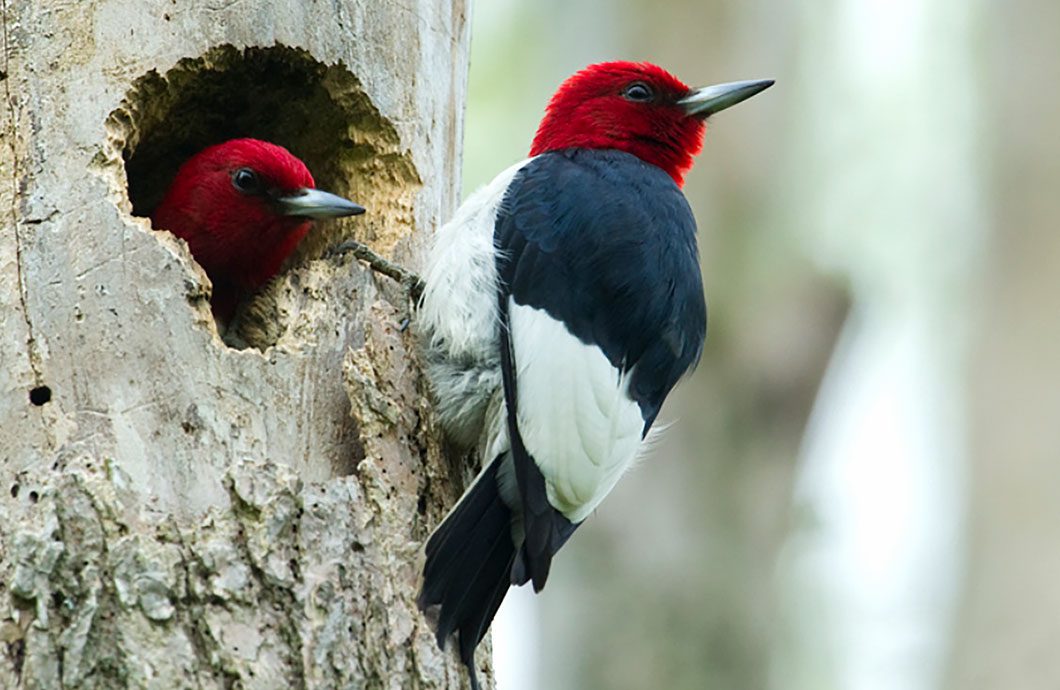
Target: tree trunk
(178,512)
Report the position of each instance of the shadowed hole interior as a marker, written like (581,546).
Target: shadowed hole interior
(40,395)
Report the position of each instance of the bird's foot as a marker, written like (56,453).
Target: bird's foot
(409,281)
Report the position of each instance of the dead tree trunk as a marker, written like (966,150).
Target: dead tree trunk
(177,512)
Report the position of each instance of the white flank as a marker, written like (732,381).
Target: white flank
(458,316)
(575,414)
(459,310)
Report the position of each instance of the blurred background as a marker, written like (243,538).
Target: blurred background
(860,487)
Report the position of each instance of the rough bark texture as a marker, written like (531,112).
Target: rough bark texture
(177,511)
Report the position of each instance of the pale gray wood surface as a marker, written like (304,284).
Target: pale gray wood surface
(182,513)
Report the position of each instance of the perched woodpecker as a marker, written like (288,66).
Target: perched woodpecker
(562,304)
(243,206)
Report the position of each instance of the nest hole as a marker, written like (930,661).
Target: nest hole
(319,112)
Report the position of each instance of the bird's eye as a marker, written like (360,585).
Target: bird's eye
(638,91)
(246,181)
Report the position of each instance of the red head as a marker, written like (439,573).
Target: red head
(638,108)
(242,207)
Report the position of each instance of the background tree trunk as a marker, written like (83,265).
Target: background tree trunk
(177,512)
(1009,619)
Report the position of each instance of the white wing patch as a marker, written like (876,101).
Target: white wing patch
(575,414)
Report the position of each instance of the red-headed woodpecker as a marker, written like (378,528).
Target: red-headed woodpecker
(243,206)
(562,303)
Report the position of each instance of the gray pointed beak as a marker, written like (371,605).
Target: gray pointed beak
(708,100)
(314,203)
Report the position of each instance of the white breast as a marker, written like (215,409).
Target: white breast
(458,315)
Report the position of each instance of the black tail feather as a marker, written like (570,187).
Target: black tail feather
(470,636)
(447,547)
(469,582)
(469,560)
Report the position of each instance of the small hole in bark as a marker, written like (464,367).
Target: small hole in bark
(14,490)
(34,497)
(357,547)
(40,395)
(319,112)
(421,506)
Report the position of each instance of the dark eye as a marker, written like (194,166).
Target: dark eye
(246,181)
(638,91)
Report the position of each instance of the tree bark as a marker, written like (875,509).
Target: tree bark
(181,510)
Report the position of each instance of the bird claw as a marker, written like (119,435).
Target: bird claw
(411,283)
